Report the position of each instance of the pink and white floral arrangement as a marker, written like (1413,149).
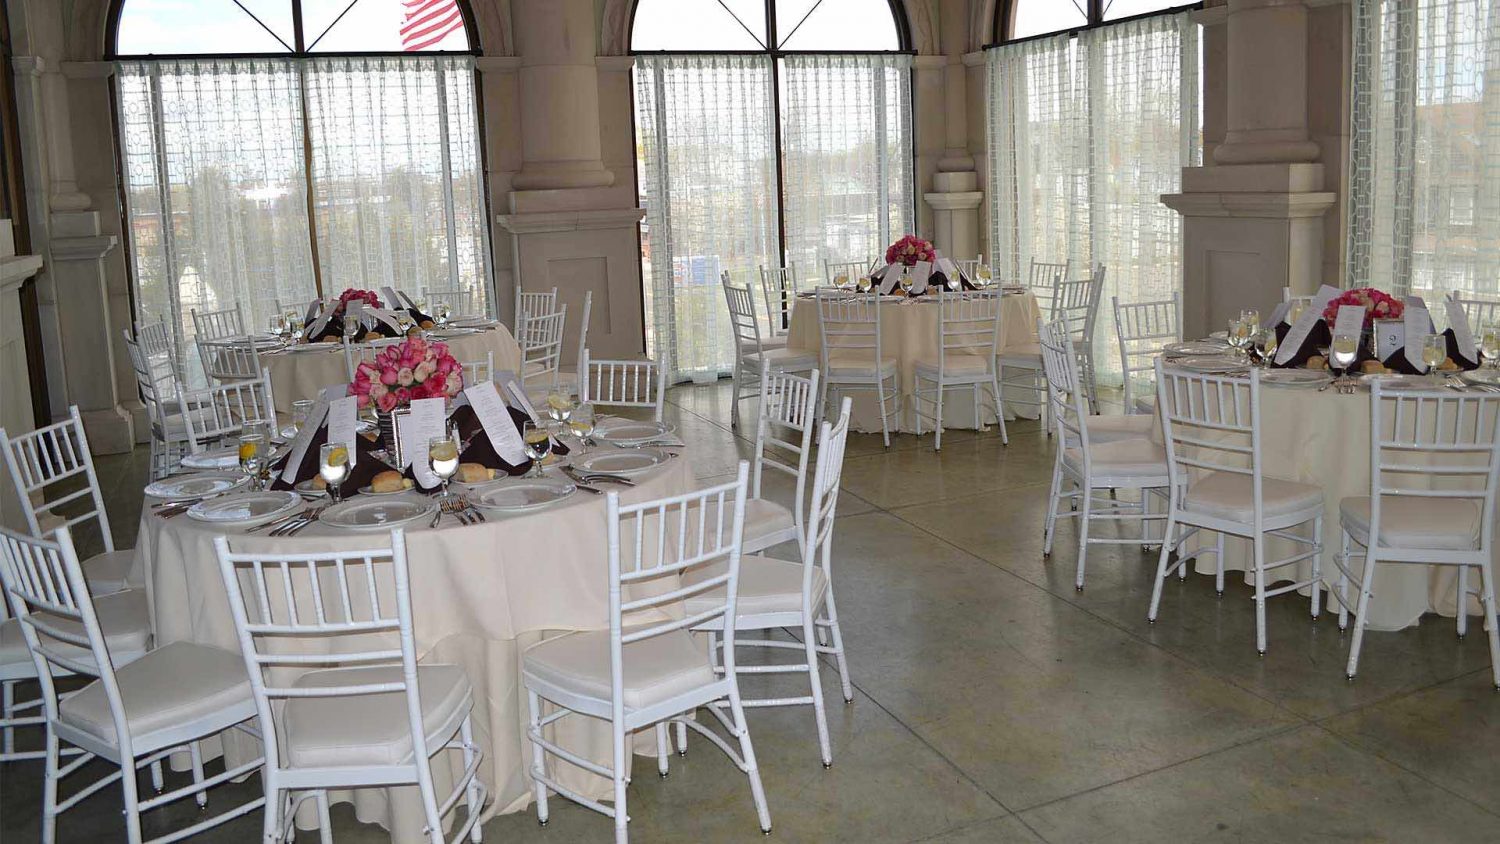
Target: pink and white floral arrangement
(351,294)
(909,250)
(415,369)
(1377,305)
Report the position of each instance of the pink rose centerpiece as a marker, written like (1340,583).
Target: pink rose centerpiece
(369,297)
(414,369)
(1377,305)
(909,250)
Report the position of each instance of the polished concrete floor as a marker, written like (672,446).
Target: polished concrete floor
(996,704)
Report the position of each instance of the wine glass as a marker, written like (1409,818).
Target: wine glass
(1266,343)
(1343,351)
(333,467)
(277,325)
(862,284)
(441,310)
(351,327)
(301,408)
(581,423)
(442,456)
(295,323)
(1238,336)
(906,280)
(984,275)
(1489,345)
(538,445)
(559,407)
(404,320)
(1251,318)
(252,455)
(841,281)
(1434,352)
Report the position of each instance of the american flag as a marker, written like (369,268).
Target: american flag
(426,22)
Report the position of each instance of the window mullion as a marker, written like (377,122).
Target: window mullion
(448,210)
(307,174)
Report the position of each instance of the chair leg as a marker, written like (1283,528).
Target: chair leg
(325,820)
(1169,539)
(937,421)
(131,798)
(1487,597)
(1086,493)
(1054,498)
(196,753)
(156,777)
(999,411)
(661,750)
(619,759)
(1259,550)
(747,753)
(1366,588)
(836,636)
(1317,568)
(885,428)
(1218,566)
(49,789)
(1343,584)
(734,408)
(1463,602)
(538,757)
(815,682)
(8,711)
(474,797)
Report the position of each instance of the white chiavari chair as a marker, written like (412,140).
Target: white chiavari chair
(216,325)
(968,338)
(541,342)
(567,379)
(529,305)
(476,371)
(1086,464)
(1481,313)
(367,714)
(969,267)
(461,303)
(1141,329)
(1286,296)
(356,353)
(849,271)
(853,355)
(649,674)
(139,709)
(778,289)
(1434,459)
(1077,302)
(623,383)
(1027,383)
(750,347)
(230,359)
(1211,424)
(1042,279)
(159,390)
(213,414)
(775,594)
(45,467)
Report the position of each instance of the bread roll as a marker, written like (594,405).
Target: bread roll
(1316,362)
(388,481)
(1373,367)
(473,473)
(428,324)
(370,336)
(318,482)
(1448,365)
(329,338)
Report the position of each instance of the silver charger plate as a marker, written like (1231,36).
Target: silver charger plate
(630,431)
(1296,377)
(1195,347)
(196,485)
(523,496)
(227,457)
(626,464)
(1483,377)
(304,348)
(245,509)
(476,322)
(1398,381)
(377,513)
(1211,364)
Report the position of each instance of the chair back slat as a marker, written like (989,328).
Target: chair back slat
(211,414)
(1042,279)
(778,287)
(968,325)
(230,359)
(215,325)
(1481,313)
(818,548)
(1141,329)
(850,326)
(533,304)
(849,271)
(788,411)
(41,464)
(742,316)
(1434,444)
(478,371)
(1210,422)
(541,341)
(622,383)
(1065,395)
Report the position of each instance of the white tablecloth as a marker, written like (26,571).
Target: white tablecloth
(303,374)
(909,331)
(1323,438)
(480,595)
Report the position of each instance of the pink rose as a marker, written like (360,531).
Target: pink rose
(404,376)
(386,402)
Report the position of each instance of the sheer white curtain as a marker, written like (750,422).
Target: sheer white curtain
(397,188)
(1424,176)
(1086,135)
(706,132)
(216,187)
(846,142)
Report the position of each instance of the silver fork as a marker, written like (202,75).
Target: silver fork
(303,519)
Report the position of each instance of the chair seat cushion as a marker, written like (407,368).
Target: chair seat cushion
(1229,495)
(109,571)
(1106,429)
(175,425)
(372,729)
(656,669)
(954,365)
(1021,354)
(166,689)
(762,518)
(766,586)
(123,616)
(791,360)
(854,365)
(1135,458)
(1415,522)
(767,341)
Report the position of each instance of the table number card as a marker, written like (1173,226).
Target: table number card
(298,450)
(343,421)
(1463,335)
(494,417)
(920,272)
(1418,324)
(392,298)
(427,419)
(1390,337)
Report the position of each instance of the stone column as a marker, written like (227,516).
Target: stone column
(573,224)
(1253,218)
(15,381)
(955,196)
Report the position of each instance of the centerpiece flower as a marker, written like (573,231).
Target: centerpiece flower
(352,294)
(909,250)
(1377,305)
(400,374)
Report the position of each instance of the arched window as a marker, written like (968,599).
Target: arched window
(1018,19)
(769,133)
(277,151)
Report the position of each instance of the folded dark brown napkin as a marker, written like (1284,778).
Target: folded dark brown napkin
(366,464)
(1318,338)
(334,328)
(1454,354)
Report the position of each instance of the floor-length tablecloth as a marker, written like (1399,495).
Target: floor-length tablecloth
(481,595)
(1323,438)
(909,331)
(303,374)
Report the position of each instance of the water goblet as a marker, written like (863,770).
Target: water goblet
(442,456)
(862,284)
(1489,345)
(906,281)
(1343,351)
(440,312)
(295,322)
(277,325)
(1434,352)
(559,407)
(581,422)
(300,410)
(1238,335)
(538,445)
(1266,344)
(333,467)
(252,454)
(1251,318)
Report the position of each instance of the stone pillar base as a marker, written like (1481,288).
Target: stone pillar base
(955,213)
(109,430)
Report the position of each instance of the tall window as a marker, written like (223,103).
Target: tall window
(1086,134)
(1019,19)
(1424,177)
(770,133)
(280,150)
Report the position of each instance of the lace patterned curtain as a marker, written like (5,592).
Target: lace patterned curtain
(1424,176)
(397,188)
(1086,135)
(215,186)
(706,136)
(846,140)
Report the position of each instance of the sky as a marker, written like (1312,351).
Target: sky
(221,26)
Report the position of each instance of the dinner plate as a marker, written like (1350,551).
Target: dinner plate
(303,348)
(523,496)
(378,513)
(1195,347)
(1485,377)
(407,485)
(1211,364)
(245,508)
(1219,335)
(1295,377)
(196,485)
(227,457)
(471,322)
(1398,381)
(625,463)
(630,431)
(382,342)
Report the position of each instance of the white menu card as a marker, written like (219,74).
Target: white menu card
(342,422)
(950,269)
(513,388)
(392,299)
(1418,325)
(428,419)
(919,275)
(321,322)
(494,417)
(1350,320)
(1463,335)
(889,278)
(1303,326)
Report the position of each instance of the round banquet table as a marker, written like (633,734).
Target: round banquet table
(909,331)
(1323,438)
(303,374)
(481,594)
